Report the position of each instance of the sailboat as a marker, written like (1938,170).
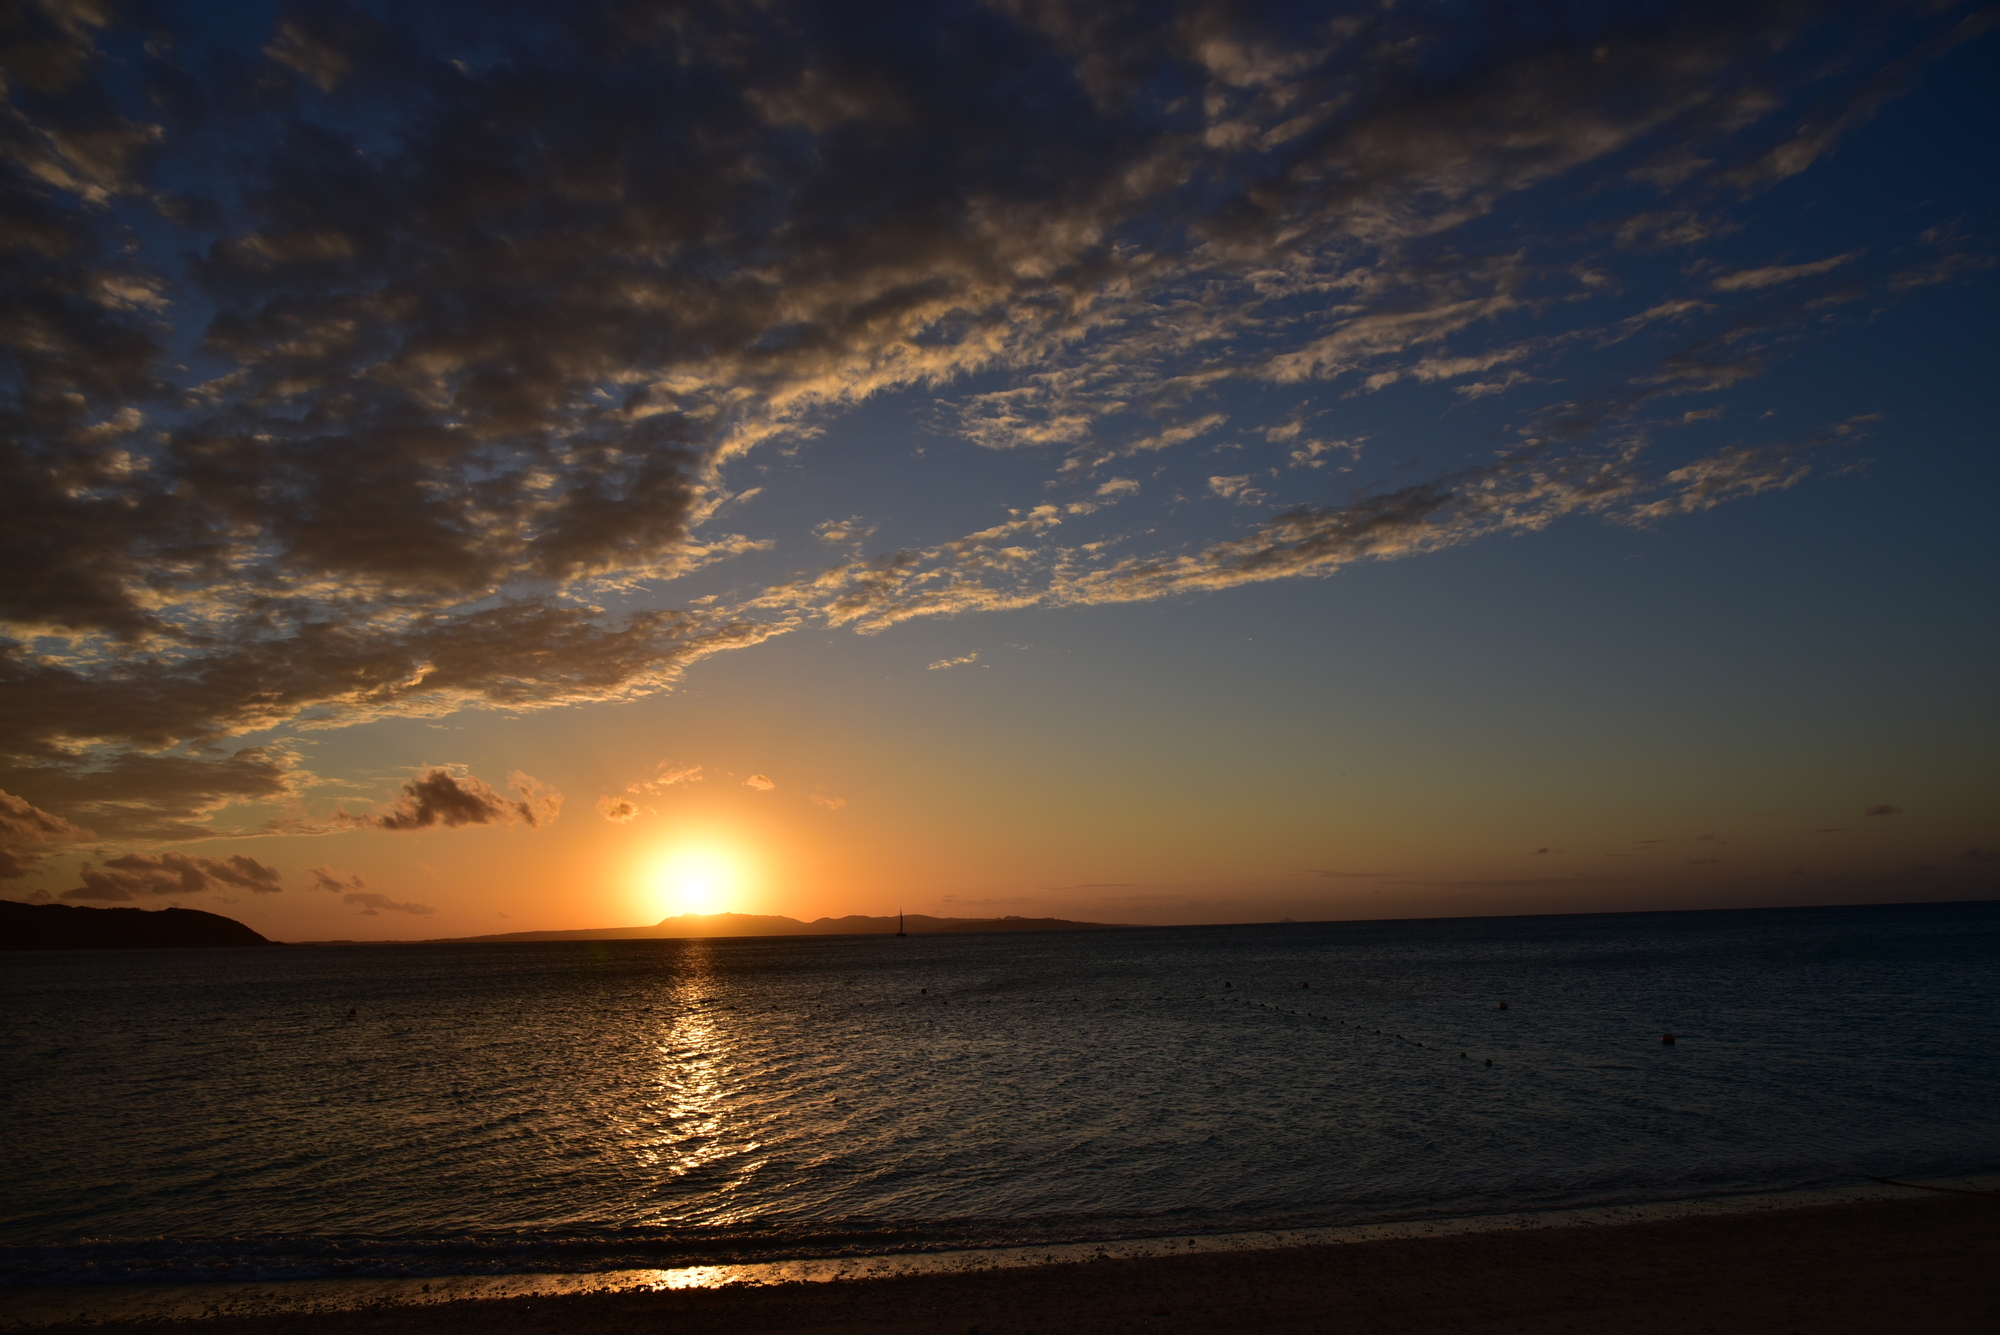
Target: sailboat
(899,924)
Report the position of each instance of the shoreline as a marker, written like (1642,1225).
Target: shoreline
(310,1304)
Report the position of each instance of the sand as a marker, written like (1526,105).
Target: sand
(1930,1264)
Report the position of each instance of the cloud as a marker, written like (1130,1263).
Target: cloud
(372,904)
(1883,810)
(143,875)
(1309,453)
(158,797)
(960,661)
(326,878)
(830,803)
(418,400)
(1236,489)
(439,797)
(617,810)
(1771,275)
(667,776)
(24,827)
(840,532)
(1818,133)
(1346,875)
(760,783)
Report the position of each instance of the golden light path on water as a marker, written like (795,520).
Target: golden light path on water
(698,1084)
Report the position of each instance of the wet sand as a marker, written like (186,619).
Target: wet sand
(1926,1264)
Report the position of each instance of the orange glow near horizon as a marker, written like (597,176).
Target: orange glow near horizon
(698,879)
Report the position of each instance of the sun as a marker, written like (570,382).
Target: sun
(695,880)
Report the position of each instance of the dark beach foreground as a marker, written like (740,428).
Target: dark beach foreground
(1927,1264)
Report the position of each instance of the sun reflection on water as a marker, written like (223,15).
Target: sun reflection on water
(702,1139)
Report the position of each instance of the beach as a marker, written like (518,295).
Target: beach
(1930,1263)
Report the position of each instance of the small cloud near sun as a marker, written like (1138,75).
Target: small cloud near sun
(760,782)
(669,774)
(961,661)
(1883,810)
(371,905)
(830,803)
(616,809)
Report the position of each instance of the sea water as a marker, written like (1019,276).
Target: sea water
(577,1106)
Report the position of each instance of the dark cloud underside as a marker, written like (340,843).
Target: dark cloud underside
(140,876)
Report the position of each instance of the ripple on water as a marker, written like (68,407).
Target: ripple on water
(757,1093)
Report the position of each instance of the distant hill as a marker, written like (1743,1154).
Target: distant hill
(72,927)
(753,924)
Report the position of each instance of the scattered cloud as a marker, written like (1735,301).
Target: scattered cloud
(1312,453)
(149,875)
(1238,489)
(440,797)
(667,776)
(372,904)
(760,782)
(464,405)
(617,810)
(326,878)
(830,803)
(24,828)
(844,532)
(1772,275)
(960,661)
(1883,810)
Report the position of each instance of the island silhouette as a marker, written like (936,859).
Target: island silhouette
(74,927)
(770,924)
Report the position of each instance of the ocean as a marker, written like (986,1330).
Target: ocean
(371,1111)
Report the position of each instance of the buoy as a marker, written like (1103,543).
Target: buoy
(923,989)
(1503,1006)
(1489,1061)
(1667,1039)
(1225,984)
(1304,986)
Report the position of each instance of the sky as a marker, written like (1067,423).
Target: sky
(481,468)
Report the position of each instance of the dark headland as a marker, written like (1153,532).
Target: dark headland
(763,924)
(72,927)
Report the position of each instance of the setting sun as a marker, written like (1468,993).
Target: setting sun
(696,880)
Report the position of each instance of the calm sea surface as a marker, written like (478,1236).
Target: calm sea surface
(313,1111)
